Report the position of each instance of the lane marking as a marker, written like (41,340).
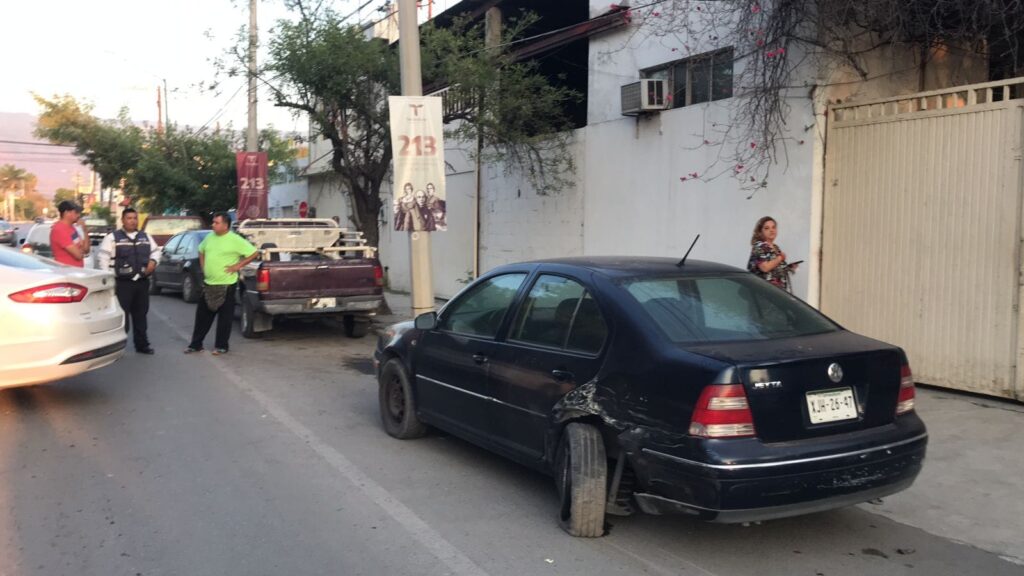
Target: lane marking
(428,537)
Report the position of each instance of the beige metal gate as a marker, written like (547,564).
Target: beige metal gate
(921,241)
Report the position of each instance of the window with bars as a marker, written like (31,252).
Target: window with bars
(702,78)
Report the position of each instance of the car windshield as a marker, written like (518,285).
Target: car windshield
(15,259)
(724,308)
(172,225)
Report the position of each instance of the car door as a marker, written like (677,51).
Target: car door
(453,360)
(165,270)
(554,345)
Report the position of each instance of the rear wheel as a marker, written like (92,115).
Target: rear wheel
(356,327)
(397,407)
(189,289)
(153,288)
(582,480)
(248,320)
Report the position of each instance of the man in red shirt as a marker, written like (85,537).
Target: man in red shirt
(68,245)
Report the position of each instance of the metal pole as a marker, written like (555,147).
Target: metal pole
(412,85)
(251,137)
(167,107)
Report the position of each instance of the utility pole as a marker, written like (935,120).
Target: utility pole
(412,85)
(251,137)
(159,113)
(167,107)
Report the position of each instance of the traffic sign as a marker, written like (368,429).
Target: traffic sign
(303,209)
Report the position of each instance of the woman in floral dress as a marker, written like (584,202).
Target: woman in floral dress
(767,260)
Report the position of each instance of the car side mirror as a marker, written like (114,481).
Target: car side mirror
(426,321)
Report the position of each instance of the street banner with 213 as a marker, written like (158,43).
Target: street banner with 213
(417,143)
(252,185)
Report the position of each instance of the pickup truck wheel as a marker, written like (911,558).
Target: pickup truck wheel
(397,407)
(248,320)
(581,478)
(356,327)
(189,290)
(153,288)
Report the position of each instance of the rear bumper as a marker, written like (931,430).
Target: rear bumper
(71,365)
(873,464)
(363,305)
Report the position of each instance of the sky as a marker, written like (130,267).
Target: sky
(115,53)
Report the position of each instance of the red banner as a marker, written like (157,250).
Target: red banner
(252,185)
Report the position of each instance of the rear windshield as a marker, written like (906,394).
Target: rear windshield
(172,226)
(724,308)
(15,259)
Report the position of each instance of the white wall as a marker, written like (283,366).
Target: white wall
(286,197)
(636,202)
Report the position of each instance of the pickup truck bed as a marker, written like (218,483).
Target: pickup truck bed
(309,268)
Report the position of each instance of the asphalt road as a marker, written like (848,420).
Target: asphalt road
(271,460)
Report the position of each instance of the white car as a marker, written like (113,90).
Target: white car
(58,321)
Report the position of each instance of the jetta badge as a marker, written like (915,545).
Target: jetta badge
(835,372)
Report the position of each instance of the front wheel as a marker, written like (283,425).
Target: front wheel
(582,480)
(189,290)
(397,407)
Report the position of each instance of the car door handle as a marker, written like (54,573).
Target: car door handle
(563,375)
(479,358)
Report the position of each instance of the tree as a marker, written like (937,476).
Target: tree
(172,170)
(63,194)
(321,66)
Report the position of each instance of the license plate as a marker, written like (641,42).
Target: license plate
(317,303)
(831,405)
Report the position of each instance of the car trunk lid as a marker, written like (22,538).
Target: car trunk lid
(812,386)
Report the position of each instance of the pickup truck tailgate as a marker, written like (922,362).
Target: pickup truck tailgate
(321,278)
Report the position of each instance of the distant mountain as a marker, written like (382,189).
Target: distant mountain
(55,166)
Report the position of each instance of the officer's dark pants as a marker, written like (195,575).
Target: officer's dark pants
(204,320)
(134,299)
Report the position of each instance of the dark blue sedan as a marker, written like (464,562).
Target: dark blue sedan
(642,384)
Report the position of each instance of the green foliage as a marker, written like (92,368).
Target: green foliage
(63,194)
(163,171)
(329,70)
(517,113)
(101,211)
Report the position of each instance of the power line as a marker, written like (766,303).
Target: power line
(220,112)
(26,143)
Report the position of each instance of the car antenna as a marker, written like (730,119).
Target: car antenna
(683,261)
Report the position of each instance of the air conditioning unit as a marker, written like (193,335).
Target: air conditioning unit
(643,97)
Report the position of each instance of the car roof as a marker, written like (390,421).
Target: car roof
(630,266)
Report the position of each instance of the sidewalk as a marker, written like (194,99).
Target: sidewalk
(972,487)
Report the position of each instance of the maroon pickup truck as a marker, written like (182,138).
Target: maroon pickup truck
(309,267)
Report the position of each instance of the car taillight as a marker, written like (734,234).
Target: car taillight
(26,249)
(51,294)
(378,275)
(905,403)
(263,280)
(722,412)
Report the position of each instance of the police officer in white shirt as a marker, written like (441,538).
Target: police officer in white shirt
(132,257)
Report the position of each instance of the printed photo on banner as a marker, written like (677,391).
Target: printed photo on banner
(417,140)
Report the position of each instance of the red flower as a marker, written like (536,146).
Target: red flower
(753,145)
(755,9)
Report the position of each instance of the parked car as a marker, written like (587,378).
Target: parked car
(37,242)
(309,268)
(178,268)
(644,385)
(161,228)
(59,321)
(7,233)
(97,229)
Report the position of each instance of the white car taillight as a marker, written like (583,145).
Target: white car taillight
(64,293)
(722,412)
(905,403)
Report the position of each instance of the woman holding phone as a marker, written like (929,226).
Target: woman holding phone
(767,260)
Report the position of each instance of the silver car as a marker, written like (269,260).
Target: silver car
(58,321)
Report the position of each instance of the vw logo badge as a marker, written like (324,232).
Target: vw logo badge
(835,372)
